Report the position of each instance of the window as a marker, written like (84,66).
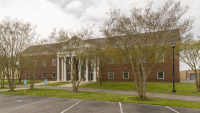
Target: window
(110,74)
(111,61)
(35,75)
(160,75)
(44,75)
(161,57)
(141,74)
(44,63)
(26,75)
(53,62)
(53,75)
(126,75)
(125,60)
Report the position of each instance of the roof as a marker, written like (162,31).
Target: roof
(101,42)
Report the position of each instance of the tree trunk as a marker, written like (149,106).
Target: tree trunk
(75,86)
(100,82)
(2,82)
(100,79)
(19,80)
(11,86)
(32,86)
(196,79)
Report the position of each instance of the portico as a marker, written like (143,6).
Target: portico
(65,68)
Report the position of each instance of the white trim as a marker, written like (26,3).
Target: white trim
(163,60)
(123,75)
(44,64)
(58,69)
(34,75)
(163,75)
(113,75)
(52,74)
(45,75)
(52,62)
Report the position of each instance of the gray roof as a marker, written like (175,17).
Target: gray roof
(103,42)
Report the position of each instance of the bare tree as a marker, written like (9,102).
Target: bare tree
(15,36)
(70,49)
(143,37)
(190,54)
(100,55)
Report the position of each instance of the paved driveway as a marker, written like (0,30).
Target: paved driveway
(32,104)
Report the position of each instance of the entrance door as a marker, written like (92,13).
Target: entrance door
(192,77)
(91,76)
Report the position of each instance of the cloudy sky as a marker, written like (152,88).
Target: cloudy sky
(72,14)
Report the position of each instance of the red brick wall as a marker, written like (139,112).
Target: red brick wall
(118,68)
(167,67)
(48,69)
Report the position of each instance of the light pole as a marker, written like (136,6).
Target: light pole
(173,46)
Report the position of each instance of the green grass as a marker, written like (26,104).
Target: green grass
(155,87)
(105,97)
(57,84)
(4,88)
(22,82)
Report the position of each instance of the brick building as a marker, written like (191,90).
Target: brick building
(52,67)
(188,75)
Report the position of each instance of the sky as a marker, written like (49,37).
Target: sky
(73,14)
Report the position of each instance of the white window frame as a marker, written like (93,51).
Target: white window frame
(52,75)
(163,59)
(163,75)
(43,75)
(123,75)
(113,75)
(52,62)
(26,74)
(35,74)
(43,62)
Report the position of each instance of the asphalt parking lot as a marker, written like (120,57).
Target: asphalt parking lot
(32,104)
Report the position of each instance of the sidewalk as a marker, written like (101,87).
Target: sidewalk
(70,85)
(49,82)
(134,93)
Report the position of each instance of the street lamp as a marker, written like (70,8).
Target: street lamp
(173,46)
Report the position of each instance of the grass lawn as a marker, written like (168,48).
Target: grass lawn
(22,82)
(57,84)
(156,87)
(4,88)
(105,97)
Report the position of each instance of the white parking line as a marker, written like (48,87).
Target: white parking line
(171,109)
(13,98)
(120,106)
(34,102)
(70,107)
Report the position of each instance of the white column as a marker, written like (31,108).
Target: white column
(86,74)
(71,68)
(58,69)
(97,68)
(94,72)
(79,69)
(64,69)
